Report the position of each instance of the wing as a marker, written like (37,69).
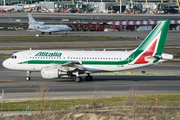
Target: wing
(74,64)
(70,69)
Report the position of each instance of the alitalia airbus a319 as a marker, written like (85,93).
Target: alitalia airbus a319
(61,63)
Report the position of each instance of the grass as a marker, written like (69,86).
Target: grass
(4,56)
(64,38)
(63,104)
(19,25)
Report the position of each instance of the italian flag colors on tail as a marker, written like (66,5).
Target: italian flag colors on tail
(152,46)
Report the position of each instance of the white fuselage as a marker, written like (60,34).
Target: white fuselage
(93,61)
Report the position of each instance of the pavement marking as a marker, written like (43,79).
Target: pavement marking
(4,80)
(30,85)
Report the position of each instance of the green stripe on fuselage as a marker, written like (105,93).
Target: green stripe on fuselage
(68,61)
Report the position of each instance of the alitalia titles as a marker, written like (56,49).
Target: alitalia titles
(47,54)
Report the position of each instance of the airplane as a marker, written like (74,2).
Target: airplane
(40,27)
(63,63)
(8,8)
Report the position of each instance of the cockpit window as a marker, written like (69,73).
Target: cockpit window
(13,56)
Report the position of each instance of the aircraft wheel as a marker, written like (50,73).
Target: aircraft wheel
(78,79)
(42,33)
(28,78)
(50,33)
(89,78)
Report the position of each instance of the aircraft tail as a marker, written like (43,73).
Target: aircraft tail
(31,19)
(153,44)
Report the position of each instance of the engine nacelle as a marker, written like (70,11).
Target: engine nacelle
(41,27)
(50,72)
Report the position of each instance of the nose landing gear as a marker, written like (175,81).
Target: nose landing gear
(28,74)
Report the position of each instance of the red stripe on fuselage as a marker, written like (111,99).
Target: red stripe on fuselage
(149,52)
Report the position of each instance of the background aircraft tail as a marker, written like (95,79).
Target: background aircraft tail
(31,19)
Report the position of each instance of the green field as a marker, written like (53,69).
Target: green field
(63,104)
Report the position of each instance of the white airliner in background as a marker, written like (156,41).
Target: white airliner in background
(61,63)
(40,27)
(16,8)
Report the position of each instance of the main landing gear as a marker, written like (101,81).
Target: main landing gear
(88,78)
(28,74)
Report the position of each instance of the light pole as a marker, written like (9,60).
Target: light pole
(120,5)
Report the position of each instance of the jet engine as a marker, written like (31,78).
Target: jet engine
(41,27)
(48,72)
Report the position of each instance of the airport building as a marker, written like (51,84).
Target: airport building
(100,6)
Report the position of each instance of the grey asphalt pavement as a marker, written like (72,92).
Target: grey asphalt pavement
(17,88)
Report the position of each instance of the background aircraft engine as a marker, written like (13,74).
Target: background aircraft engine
(41,27)
(50,72)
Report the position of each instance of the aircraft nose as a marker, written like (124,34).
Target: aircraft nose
(70,28)
(5,63)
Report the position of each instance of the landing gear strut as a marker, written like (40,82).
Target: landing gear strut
(28,74)
(65,32)
(78,78)
(89,77)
